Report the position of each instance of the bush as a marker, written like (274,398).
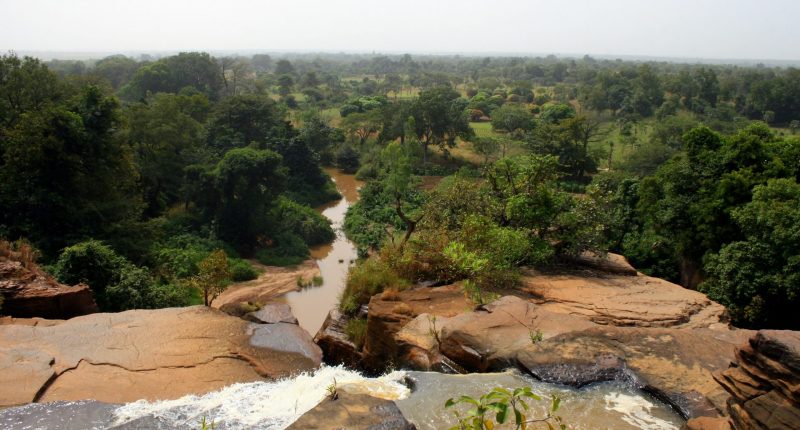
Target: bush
(241,270)
(312,227)
(366,279)
(90,262)
(116,282)
(347,159)
(178,256)
(288,250)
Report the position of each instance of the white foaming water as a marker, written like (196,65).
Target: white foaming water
(263,405)
(637,411)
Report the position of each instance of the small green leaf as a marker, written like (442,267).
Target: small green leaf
(502,413)
(556,403)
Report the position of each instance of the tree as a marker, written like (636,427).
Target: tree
(512,118)
(66,174)
(758,278)
(25,85)
(488,147)
(172,74)
(568,139)
(246,182)
(117,69)
(439,118)
(362,125)
(213,276)
(243,119)
(285,84)
(166,135)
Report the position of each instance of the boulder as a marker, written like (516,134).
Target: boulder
(764,382)
(389,312)
(145,354)
(354,412)
(337,348)
(674,364)
(708,423)
(610,263)
(622,300)
(272,313)
(288,338)
(29,292)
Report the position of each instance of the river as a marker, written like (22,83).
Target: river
(273,405)
(311,305)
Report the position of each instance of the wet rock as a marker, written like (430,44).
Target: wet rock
(764,382)
(29,292)
(337,348)
(272,313)
(675,365)
(150,354)
(708,423)
(283,337)
(353,412)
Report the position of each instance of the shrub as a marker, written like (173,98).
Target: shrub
(288,250)
(241,270)
(312,227)
(356,330)
(116,282)
(366,279)
(90,262)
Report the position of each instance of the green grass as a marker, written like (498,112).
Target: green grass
(484,129)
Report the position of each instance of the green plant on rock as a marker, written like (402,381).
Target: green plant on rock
(356,330)
(498,405)
(207,425)
(536,336)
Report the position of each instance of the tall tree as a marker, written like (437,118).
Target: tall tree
(440,118)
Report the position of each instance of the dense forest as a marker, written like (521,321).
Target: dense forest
(128,173)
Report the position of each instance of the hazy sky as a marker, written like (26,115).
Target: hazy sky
(740,29)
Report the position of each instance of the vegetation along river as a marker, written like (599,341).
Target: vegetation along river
(273,405)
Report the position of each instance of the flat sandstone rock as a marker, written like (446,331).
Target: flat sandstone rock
(143,354)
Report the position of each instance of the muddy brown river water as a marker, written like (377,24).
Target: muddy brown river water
(312,304)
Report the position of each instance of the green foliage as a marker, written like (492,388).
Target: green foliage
(439,117)
(66,159)
(241,270)
(213,276)
(302,221)
(117,283)
(287,249)
(758,278)
(498,405)
(172,74)
(512,118)
(356,330)
(366,279)
(246,181)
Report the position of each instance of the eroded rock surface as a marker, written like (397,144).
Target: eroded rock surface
(29,292)
(622,300)
(271,283)
(336,346)
(149,354)
(353,411)
(764,382)
(272,313)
